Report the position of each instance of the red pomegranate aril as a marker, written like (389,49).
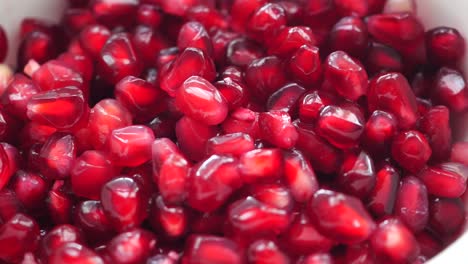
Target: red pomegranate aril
(212,181)
(230,144)
(191,62)
(169,219)
(118,59)
(317,258)
(148,43)
(74,253)
(42,107)
(411,150)
(379,131)
(340,217)
(345,75)
(459,153)
(57,156)
(17,94)
(60,203)
(381,58)
(233,91)
(162,259)
(131,247)
(429,245)
(56,75)
(286,98)
(289,39)
(242,51)
(114,13)
(89,173)
(93,38)
(265,76)
(305,65)
(106,116)
(351,7)
(349,35)
(6,169)
(300,176)
(193,34)
(180,7)
(242,120)
(10,205)
(293,10)
(163,126)
(383,195)
(302,237)
(251,218)
(392,93)
(211,249)
(394,242)
(76,19)
(140,97)
(323,156)
(192,137)
(37,46)
(79,63)
(130,146)
(312,103)
(18,235)
(221,39)
(266,21)
(261,165)
(90,217)
(445,180)
(445,46)
(59,236)
(357,176)
(30,188)
(277,129)
(241,12)
(208,223)
(149,15)
(450,89)
(124,203)
(447,216)
(266,251)
(200,100)
(276,195)
(435,124)
(209,17)
(411,205)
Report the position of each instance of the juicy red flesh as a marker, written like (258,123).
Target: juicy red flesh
(241,131)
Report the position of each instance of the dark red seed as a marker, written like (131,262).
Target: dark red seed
(261,165)
(266,21)
(193,34)
(305,65)
(59,236)
(445,46)
(411,150)
(138,245)
(211,249)
(192,137)
(459,153)
(242,51)
(382,197)
(30,188)
(262,251)
(18,235)
(91,218)
(450,89)
(277,129)
(264,76)
(230,144)
(169,219)
(299,176)
(435,124)
(289,39)
(349,35)
(114,13)
(380,129)
(57,156)
(276,195)
(381,58)
(446,215)
(286,99)
(148,43)
(74,253)
(412,206)
(93,38)
(446,179)
(357,175)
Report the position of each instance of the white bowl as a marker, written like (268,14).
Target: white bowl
(432,12)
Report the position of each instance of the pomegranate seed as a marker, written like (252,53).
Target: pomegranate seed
(57,156)
(289,39)
(211,249)
(123,202)
(294,11)
(193,34)
(89,173)
(230,144)
(234,92)
(30,188)
(130,146)
(55,75)
(242,51)
(17,94)
(163,126)
(277,129)
(251,218)
(60,204)
(446,215)
(6,169)
(93,38)
(191,62)
(38,46)
(349,34)
(450,89)
(262,251)
(305,65)
(148,43)
(392,240)
(139,97)
(445,180)
(106,116)
(221,39)
(114,13)
(340,217)
(242,120)
(445,46)
(357,176)
(138,245)
(18,235)
(3,44)
(180,7)
(350,7)
(323,156)
(74,253)
(318,258)
(266,21)
(172,220)
(411,150)
(242,10)
(91,218)
(264,76)
(379,131)
(391,92)
(207,16)
(302,237)
(212,181)
(192,137)
(383,195)
(436,125)
(381,58)
(458,153)
(59,236)
(10,205)
(149,15)
(79,63)
(300,176)
(76,19)
(275,195)
(412,206)
(429,245)
(286,98)
(118,58)
(42,107)
(312,103)
(261,165)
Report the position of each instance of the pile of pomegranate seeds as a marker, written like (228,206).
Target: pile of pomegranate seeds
(232,132)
